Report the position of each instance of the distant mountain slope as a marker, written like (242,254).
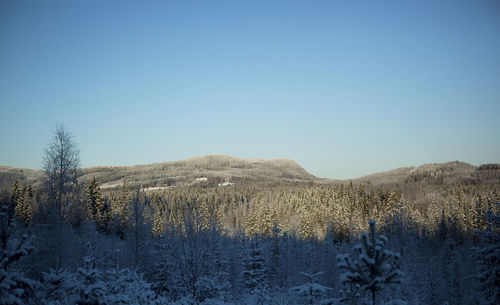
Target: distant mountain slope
(217,168)
(9,174)
(436,173)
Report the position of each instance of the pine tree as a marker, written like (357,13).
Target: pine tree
(60,287)
(16,197)
(138,229)
(215,285)
(373,267)
(275,256)
(254,219)
(255,268)
(94,202)
(235,254)
(91,289)
(165,274)
(23,209)
(14,286)
(105,220)
(350,294)
(311,292)
(138,289)
(158,219)
(308,222)
(210,287)
(487,256)
(128,287)
(121,207)
(116,287)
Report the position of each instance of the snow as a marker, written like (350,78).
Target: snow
(200,268)
(154,188)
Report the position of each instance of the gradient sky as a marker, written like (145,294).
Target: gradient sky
(345,88)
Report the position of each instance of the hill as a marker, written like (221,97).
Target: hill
(217,169)
(204,169)
(213,169)
(449,173)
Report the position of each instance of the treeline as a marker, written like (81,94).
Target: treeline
(307,211)
(194,260)
(248,244)
(69,242)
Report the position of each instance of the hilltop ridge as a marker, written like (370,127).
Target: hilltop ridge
(435,173)
(216,169)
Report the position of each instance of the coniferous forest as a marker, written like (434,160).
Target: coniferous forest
(222,152)
(65,240)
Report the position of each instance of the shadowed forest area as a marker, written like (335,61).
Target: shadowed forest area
(426,241)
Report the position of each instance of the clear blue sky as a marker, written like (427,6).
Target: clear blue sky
(345,88)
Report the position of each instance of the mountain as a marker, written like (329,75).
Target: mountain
(217,169)
(211,169)
(435,173)
(9,174)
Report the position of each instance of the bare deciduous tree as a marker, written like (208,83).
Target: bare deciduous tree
(60,163)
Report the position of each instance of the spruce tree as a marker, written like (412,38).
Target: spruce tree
(487,256)
(60,287)
(166,280)
(158,220)
(24,203)
(94,201)
(122,208)
(15,288)
(128,287)
(255,268)
(16,197)
(104,225)
(275,255)
(91,288)
(373,266)
(215,285)
(311,292)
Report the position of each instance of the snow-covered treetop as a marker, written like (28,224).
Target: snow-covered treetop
(373,267)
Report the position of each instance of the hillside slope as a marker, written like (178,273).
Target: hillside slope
(436,173)
(215,168)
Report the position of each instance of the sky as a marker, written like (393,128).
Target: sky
(344,88)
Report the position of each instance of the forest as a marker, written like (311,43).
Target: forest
(67,241)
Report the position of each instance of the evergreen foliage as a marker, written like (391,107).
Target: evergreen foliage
(16,197)
(247,245)
(373,266)
(166,280)
(121,207)
(15,288)
(255,268)
(487,256)
(244,244)
(91,287)
(311,292)
(127,287)
(96,205)
(60,287)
